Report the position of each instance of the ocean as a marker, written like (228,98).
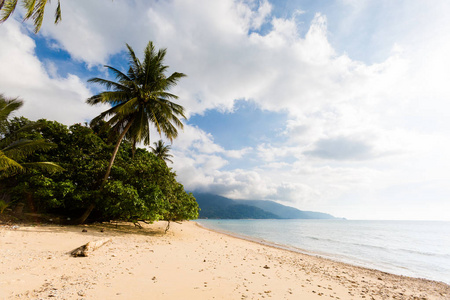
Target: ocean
(411,248)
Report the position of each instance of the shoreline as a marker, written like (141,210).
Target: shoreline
(189,262)
(308,253)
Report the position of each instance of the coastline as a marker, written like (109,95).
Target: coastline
(189,262)
(324,255)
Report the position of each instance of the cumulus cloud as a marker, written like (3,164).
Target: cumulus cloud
(45,95)
(224,62)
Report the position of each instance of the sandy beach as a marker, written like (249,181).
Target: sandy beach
(189,262)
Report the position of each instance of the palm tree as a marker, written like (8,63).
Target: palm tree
(7,106)
(35,11)
(13,151)
(162,151)
(138,99)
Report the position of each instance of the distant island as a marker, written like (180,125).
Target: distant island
(218,207)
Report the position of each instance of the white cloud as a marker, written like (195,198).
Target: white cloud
(46,96)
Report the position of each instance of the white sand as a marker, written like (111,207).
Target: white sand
(188,262)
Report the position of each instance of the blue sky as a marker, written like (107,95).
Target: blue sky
(334,106)
(245,126)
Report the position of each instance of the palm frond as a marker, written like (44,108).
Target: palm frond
(173,79)
(139,131)
(38,15)
(8,7)
(103,116)
(35,10)
(112,98)
(164,95)
(8,164)
(127,108)
(22,148)
(29,5)
(58,16)
(108,84)
(120,76)
(44,166)
(8,105)
(135,64)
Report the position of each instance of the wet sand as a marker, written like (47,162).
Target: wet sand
(189,262)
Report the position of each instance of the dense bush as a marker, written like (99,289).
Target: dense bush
(139,188)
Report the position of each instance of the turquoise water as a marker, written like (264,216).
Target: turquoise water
(411,248)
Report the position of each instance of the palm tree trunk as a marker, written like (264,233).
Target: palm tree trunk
(116,149)
(91,207)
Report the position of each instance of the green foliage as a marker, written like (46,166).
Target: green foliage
(34,10)
(138,99)
(7,107)
(141,97)
(142,188)
(18,141)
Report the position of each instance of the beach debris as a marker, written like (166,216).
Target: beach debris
(87,249)
(266,267)
(84,230)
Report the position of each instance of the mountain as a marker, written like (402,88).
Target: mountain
(218,207)
(285,212)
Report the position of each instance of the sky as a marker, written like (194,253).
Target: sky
(335,106)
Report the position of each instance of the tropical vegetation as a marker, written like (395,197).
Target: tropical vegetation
(17,143)
(105,175)
(162,151)
(139,189)
(138,99)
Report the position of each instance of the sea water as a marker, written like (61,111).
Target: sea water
(411,248)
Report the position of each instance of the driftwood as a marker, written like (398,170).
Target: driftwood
(88,248)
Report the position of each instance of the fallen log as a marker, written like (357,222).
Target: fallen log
(87,249)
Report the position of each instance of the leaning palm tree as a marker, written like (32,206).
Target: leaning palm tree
(161,151)
(14,151)
(138,100)
(34,10)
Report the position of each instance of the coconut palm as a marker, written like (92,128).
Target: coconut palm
(13,151)
(34,10)
(162,151)
(138,100)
